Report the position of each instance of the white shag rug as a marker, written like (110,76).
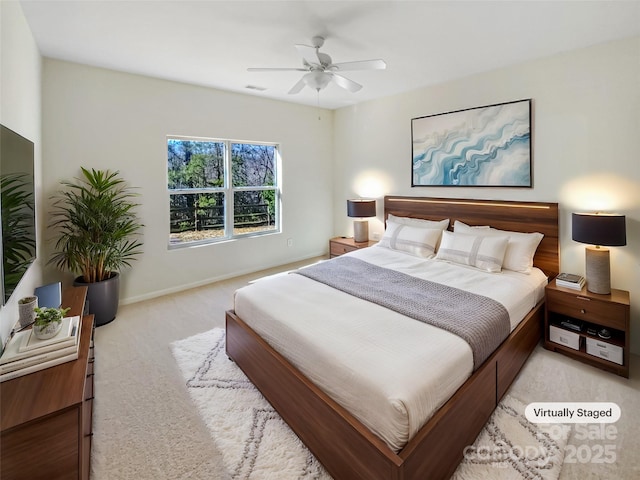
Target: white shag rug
(256,444)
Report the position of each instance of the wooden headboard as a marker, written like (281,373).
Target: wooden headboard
(524,217)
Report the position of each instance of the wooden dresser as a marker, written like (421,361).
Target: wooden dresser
(47,415)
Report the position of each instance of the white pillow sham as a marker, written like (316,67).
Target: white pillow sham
(520,249)
(419,222)
(459,226)
(418,241)
(485,252)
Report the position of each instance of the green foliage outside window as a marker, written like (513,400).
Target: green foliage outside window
(199,183)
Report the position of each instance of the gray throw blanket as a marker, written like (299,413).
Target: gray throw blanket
(480,321)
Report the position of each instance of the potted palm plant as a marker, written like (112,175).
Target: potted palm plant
(97,231)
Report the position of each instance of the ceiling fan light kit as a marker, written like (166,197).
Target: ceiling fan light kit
(317,79)
(321,69)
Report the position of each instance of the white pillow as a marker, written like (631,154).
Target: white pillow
(485,252)
(520,249)
(420,242)
(419,222)
(458,226)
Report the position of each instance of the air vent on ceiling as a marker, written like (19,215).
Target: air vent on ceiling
(255,87)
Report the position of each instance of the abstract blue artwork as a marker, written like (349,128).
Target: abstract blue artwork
(486,146)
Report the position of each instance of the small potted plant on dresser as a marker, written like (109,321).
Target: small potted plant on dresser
(26,310)
(97,232)
(48,321)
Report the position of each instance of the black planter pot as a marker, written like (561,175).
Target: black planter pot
(103,298)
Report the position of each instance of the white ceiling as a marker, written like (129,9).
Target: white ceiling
(212,43)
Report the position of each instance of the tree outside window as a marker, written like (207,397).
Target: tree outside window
(221,189)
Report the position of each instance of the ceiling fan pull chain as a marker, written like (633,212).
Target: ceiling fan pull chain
(318,93)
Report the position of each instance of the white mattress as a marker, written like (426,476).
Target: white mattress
(390,371)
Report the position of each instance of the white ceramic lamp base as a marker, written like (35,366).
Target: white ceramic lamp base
(598,271)
(361,231)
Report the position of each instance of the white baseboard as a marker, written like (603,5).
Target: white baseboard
(210,280)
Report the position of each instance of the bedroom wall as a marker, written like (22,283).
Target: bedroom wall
(20,75)
(100,118)
(585,146)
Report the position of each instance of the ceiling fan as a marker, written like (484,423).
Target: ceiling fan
(321,70)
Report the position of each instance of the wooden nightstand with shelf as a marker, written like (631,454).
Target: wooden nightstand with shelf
(594,313)
(341,245)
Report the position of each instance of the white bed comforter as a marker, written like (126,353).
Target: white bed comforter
(390,371)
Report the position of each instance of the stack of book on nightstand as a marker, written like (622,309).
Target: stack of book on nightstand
(570,280)
(26,354)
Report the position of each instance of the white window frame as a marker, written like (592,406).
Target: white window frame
(229,192)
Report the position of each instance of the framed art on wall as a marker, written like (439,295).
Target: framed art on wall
(487,146)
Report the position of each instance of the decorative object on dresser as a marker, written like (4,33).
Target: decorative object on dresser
(26,353)
(26,310)
(46,416)
(49,295)
(48,322)
(341,245)
(361,209)
(589,327)
(599,230)
(97,236)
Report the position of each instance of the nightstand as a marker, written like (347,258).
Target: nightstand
(593,312)
(341,245)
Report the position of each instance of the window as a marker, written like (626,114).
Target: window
(221,189)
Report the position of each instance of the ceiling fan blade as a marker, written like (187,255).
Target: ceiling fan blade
(267,69)
(345,83)
(309,53)
(377,64)
(297,87)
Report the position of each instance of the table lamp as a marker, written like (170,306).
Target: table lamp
(360,209)
(598,230)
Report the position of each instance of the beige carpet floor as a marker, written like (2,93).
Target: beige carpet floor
(146,426)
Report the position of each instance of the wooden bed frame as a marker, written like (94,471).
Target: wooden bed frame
(346,448)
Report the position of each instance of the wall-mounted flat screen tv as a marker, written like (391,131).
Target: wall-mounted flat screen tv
(17,208)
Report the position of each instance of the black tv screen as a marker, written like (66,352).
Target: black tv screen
(17,208)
